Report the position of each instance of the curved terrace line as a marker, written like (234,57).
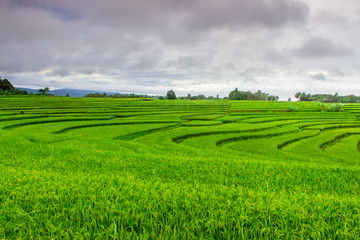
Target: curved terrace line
(285,119)
(336,140)
(54,121)
(188,117)
(201,125)
(109,124)
(8,114)
(242,138)
(182,138)
(135,135)
(23,118)
(322,123)
(338,127)
(282,145)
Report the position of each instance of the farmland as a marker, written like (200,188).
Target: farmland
(216,169)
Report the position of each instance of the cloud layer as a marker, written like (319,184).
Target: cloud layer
(197,46)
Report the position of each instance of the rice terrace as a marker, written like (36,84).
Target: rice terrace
(105,168)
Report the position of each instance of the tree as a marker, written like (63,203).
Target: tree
(297,95)
(6,88)
(171,95)
(235,95)
(201,97)
(44,90)
(6,85)
(241,95)
(303,96)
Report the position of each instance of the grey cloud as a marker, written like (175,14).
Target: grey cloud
(245,13)
(168,16)
(145,63)
(55,8)
(60,72)
(37,35)
(331,18)
(187,43)
(339,73)
(318,47)
(252,74)
(318,76)
(189,62)
(281,57)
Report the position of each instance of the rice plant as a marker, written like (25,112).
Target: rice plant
(88,168)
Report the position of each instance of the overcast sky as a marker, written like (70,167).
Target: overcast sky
(191,46)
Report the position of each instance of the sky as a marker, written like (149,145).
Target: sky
(205,47)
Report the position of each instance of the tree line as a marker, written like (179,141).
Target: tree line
(259,95)
(6,88)
(118,95)
(327,98)
(233,95)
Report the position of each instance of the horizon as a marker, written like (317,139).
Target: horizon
(293,99)
(197,47)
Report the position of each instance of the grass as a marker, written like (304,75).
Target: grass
(105,177)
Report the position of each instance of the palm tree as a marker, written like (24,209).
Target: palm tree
(44,90)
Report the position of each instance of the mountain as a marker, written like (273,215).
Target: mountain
(75,92)
(71,92)
(29,90)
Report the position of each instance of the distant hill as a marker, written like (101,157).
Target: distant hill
(29,90)
(71,92)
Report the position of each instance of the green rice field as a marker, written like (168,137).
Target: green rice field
(101,168)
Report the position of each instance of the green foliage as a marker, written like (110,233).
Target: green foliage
(44,91)
(327,98)
(303,96)
(199,97)
(16,91)
(331,107)
(107,168)
(117,95)
(6,86)
(96,95)
(293,108)
(240,95)
(171,95)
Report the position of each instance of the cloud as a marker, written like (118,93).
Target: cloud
(236,14)
(339,73)
(253,74)
(318,47)
(318,76)
(188,44)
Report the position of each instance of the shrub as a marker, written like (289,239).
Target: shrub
(293,108)
(331,107)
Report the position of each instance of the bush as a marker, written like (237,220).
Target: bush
(331,107)
(293,108)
